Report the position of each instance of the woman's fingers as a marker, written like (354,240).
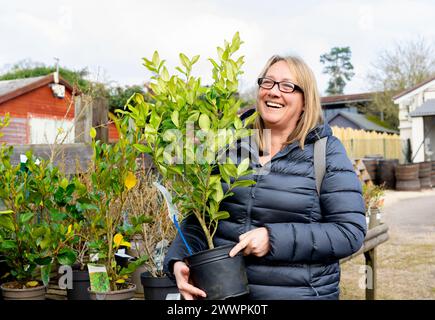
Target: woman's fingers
(189,292)
(255,242)
(238,247)
(181,273)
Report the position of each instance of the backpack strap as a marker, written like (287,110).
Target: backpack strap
(320,161)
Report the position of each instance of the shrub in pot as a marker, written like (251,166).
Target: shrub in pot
(151,239)
(110,178)
(34,234)
(373,196)
(187,128)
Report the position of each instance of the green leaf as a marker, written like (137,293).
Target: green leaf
(165,74)
(64,183)
(195,59)
(175,117)
(8,244)
(218,195)
(66,256)
(6,212)
(58,216)
(6,222)
(45,243)
(185,61)
(25,217)
(243,166)
(230,169)
(224,174)
(156,58)
(220,215)
(238,123)
(204,122)
(242,183)
(142,148)
(45,274)
(193,117)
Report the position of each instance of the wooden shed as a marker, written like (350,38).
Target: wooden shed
(40,109)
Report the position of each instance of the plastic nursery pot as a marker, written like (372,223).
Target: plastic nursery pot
(10,293)
(81,283)
(125,294)
(219,275)
(157,288)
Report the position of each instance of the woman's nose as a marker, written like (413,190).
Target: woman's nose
(274,92)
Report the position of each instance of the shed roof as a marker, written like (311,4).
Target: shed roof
(347,98)
(361,121)
(10,89)
(416,87)
(426,109)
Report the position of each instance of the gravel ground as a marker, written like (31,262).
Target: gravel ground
(406,262)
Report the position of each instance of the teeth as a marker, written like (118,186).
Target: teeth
(274,105)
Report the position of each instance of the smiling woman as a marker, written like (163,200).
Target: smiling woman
(291,232)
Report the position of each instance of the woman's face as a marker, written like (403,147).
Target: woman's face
(280,110)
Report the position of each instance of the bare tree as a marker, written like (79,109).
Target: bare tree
(403,66)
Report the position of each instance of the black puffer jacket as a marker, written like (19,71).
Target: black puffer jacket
(308,234)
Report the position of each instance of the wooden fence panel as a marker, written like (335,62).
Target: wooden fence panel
(360,143)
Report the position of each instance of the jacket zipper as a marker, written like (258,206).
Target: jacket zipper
(251,200)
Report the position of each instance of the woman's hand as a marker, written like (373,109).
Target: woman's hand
(255,242)
(181,273)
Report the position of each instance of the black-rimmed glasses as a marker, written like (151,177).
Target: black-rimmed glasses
(283,86)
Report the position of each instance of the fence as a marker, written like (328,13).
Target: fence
(360,143)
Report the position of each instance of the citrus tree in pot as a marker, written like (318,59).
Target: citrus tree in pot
(188,128)
(111,176)
(34,235)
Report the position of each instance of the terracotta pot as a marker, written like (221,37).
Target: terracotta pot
(126,294)
(37,293)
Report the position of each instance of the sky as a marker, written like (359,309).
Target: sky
(110,37)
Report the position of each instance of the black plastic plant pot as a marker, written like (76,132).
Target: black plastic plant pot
(219,275)
(81,283)
(157,288)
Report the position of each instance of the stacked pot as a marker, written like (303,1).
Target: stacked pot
(407,177)
(424,175)
(386,172)
(371,167)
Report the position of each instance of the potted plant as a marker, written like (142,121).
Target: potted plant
(34,234)
(151,239)
(110,178)
(80,210)
(373,196)
(187,129)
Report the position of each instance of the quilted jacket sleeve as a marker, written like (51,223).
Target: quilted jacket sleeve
(343,227)
(177,251)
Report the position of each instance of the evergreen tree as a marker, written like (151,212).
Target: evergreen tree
(338,66)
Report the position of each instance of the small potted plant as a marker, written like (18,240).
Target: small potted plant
(34,234)
(374,200)
(110,178)
(187,129)
(151,239)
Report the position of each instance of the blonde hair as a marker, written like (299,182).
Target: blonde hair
(312,115)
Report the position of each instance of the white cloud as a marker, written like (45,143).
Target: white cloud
(113,36)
